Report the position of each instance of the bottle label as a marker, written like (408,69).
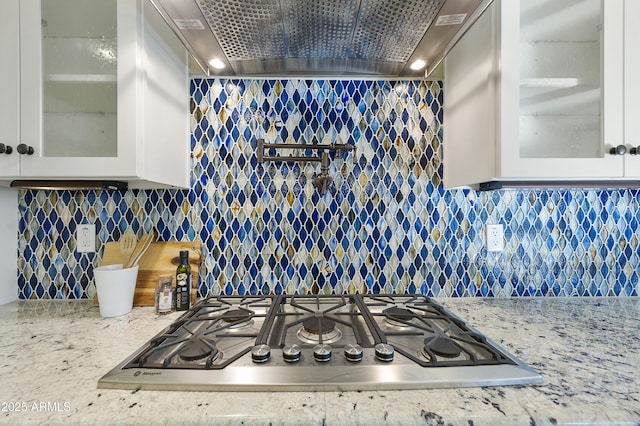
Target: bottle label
(183,291)
(181,279)
(165,300)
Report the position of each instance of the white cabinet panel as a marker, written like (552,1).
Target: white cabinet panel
(9,88)
(469,141)
(8,245)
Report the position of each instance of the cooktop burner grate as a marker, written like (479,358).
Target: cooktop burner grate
(311,320)
(403,320)
(211,335)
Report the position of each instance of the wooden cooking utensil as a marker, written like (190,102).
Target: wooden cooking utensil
(139,250)
(127,243)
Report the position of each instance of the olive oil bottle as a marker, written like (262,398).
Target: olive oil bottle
(183,282)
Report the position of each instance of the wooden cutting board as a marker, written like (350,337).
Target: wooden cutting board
(160,259)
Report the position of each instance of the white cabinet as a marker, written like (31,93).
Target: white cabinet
(9,87)
(544,90)
(103,94)
(632,82)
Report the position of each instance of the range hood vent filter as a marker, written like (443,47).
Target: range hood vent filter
(319,38)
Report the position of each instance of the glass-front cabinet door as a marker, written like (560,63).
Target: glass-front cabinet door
(71,67)
(632,86)
(564,60)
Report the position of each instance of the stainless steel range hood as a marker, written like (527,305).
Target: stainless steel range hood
(354,38)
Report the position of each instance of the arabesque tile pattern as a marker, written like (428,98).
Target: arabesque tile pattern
(384,225)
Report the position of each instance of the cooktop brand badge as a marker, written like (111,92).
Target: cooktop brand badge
(147,373)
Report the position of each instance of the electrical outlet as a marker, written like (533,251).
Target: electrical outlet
(495,237)
(86,238)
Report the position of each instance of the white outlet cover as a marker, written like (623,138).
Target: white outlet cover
(495,237)
(86,238)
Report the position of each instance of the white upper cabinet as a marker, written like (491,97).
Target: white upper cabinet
(103,94)
(632,85)
(543,90)
(9,87)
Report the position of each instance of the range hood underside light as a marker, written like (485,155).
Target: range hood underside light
(598,184)
(110,185)
(356,38)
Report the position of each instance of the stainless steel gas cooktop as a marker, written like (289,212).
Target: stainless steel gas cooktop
(318,342)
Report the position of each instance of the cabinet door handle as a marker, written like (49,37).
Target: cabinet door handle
(618,150)
(635,150)
(5,149)
(24,149)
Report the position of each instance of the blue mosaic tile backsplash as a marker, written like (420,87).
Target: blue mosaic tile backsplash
(384,225)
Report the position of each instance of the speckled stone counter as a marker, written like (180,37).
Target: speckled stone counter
(588,351)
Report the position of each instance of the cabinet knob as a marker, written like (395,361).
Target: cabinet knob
(635,150)
(5,149)
(618,150)
(25,149)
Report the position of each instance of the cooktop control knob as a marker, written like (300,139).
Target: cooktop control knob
(384,352)
(353,352)
(322,352)
(291,353)
(260,353)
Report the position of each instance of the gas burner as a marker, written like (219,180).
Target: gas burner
(238,318)
(442,346)
(197,348)
(398,317)
(318,329)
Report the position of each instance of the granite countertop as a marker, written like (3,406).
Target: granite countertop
(588,351)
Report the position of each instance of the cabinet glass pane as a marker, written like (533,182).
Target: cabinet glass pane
(560,87)
(79,57)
